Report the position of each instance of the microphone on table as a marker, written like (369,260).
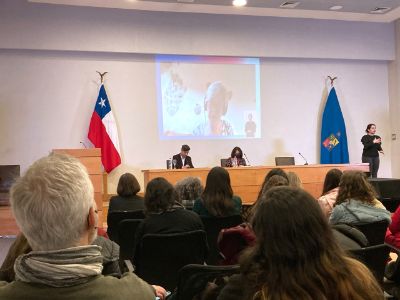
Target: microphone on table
(84,145)
(304,159)
(246,158)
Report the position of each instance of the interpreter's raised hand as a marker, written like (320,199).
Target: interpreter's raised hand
(161,293)
(376,140)
(381,151)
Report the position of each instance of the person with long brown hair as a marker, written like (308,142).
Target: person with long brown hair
(356,201)
(330,191)
(217,199)
(296,256)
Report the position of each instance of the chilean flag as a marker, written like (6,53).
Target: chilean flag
(103,132)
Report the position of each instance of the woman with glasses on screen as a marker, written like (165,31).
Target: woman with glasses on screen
(215,107)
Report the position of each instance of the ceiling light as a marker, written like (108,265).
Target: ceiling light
(239,2)
(336,7)
(289,4)
(380,10)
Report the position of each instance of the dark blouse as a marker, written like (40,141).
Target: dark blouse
(370,148)
(118,203)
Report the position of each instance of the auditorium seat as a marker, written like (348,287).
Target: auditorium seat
(193,279)
(159,257)
(114,217)
(213,226)
(374,232)
(126,235)
(375,258)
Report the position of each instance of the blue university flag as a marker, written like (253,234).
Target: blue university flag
(333,133)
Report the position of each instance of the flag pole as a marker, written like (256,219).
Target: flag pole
(102,76)
(330,78)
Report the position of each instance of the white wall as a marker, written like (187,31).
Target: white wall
(47,100)
(47,96)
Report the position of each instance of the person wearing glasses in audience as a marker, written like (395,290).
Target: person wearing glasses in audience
(182,160)
(53,204)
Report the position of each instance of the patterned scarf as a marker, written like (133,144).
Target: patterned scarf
(60,268)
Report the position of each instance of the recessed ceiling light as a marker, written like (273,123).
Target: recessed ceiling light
(289,4)
(336,7)
(380,10)
(239,2)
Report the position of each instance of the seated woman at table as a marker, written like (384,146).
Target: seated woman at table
(217,199)
(236,159)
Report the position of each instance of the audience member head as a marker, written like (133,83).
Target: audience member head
(128,185)
(189,188)
(53,204)
(300,260)
(185,150)
(354,185)
(274,171)
(160,196)
(294,180)
(275,180)
(332,180)
(237,152)
(217,195)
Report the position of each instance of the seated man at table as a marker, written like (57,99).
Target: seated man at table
(53,204)
(182,160)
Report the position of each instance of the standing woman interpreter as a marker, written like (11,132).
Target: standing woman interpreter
(372,147)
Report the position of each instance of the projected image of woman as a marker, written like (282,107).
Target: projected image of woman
(215,106)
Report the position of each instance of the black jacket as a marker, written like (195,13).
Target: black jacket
(118,203)
(188,161)
(371,149)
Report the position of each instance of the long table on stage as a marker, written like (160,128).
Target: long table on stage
(246,181)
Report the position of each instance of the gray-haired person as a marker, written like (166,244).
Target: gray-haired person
(53,204)
(189,189)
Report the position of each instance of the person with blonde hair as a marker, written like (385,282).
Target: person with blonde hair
(53,204)
(296,256)
(356,201)
(294,180)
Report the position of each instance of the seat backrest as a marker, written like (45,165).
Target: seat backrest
(114,217)
(284,160)
(375,232)
(159,257)
(193,279)
(224,162)
(375,258)
(213,226)
(126,235)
